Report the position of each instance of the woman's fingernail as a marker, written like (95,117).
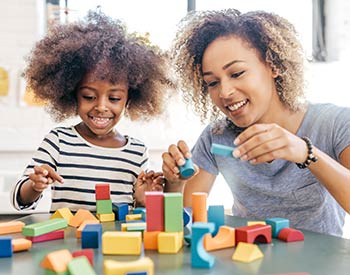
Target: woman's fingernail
(236,153)
(236,141)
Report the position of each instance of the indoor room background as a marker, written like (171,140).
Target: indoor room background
(323,25)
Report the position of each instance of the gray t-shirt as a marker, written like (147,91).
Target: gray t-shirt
(280,188)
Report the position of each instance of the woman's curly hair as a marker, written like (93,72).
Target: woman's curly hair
(274,38)
(103,46)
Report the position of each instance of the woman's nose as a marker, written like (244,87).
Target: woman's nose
(226,91)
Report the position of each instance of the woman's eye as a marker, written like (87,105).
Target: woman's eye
(235,75)
(212,84)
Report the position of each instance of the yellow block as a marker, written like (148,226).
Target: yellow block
(249,223)
(121,243)
(110,217)
(247,252)
(62,213)
(4,82)
(133,217)
(170,242)
(111,267)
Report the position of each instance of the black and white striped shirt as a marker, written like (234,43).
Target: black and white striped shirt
(82,165)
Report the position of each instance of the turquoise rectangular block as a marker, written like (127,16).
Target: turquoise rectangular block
(222,150)
(40,228)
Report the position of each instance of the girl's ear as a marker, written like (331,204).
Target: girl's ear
(275,72)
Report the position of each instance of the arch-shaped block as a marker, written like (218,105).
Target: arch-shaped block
(254,233)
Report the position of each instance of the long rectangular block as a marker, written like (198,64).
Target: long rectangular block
(11,227)
(173,212)
(54,235)
(21,244)
(121,243)
(155,211)
(40,228)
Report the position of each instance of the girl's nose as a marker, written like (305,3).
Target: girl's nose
(101,107)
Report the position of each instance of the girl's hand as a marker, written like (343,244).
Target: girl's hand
(43,176)
(174,158)
(266,142)
(150,181)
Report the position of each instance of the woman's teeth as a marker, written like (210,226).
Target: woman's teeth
(237,105)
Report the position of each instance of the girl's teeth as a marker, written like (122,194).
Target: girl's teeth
(236,106)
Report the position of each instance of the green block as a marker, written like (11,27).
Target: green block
(51,272)
(79,266)
(40,228)
(173,212)
(104,206)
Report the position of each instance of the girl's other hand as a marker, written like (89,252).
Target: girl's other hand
(43,176)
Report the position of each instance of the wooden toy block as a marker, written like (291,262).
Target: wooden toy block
(216,215)
(170,242)
(40,228)
(11,227)
(254,233)
(249,223)
(277,224)
(6,247)
(199,207)
(139,226)
(145,264)
(81,227)
(247,252)
(136,273)
(79,266)
(155,211)
(102,191)
(80,216)
(173,212)
(199,257)
(150,240)
(106,217)
(57,260)
(290,235)
(91,236)
(222,150)
(121,243)
(104,207)
(88,253)
(187,170)
(21,244)
(186,216)
(223,239)
(54,235)
(120,210)
(50,272)
(62,213)
(133,217)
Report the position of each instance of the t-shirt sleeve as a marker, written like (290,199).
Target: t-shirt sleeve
(201,154)
(341,131)
(47,153)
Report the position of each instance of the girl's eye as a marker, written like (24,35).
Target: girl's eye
(114,99)
(236,75)
(87,97)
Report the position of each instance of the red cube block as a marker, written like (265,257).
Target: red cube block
(102,191)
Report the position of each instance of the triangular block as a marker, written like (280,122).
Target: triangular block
(57,260)
(247,252)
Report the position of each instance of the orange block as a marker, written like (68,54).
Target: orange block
(80,216)
(57,260)
(21,244)
(199,207)
(81,227)
(150,240)
(11,227)
(224,238)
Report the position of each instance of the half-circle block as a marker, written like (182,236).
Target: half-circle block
(290,235)
(277,224)
(111,267)
(247,252)
(224,238)
(199,257)
(254,233)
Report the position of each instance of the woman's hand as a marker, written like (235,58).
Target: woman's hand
(43,176)
(262,143)
(150,181)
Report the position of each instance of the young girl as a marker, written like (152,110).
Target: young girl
(292,157)
(96,70)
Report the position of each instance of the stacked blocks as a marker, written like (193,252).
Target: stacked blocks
(40,228)
(277,224)
(120,210)
(104,209)
(54,235)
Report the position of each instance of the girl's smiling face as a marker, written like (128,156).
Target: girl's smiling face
(101,105)
(239,82)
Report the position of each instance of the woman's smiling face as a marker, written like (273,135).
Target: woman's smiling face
(239,82)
